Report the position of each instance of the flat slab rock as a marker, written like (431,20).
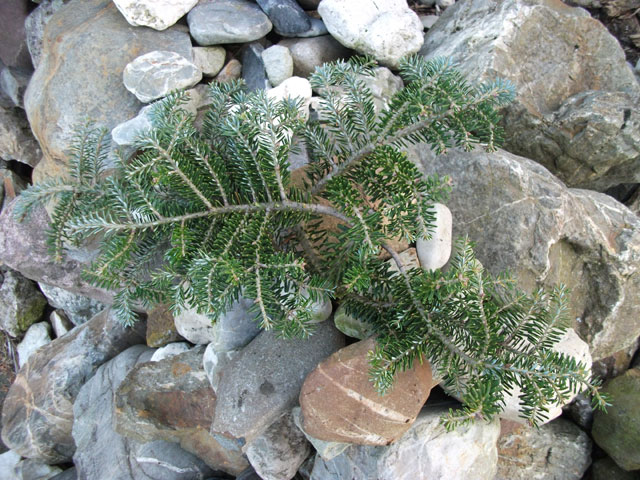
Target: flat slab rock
(340,404)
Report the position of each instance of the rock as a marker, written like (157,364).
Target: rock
(253,72)
(158,15)
(21,304)
(309,53)
(445,3)
(278,64)
(616,364)
(68,474)
(558,450)
(34,26)
(60,323)
(30,469)
(350,326)
(606,469)
(227,21)
(618,430)
(279,451)
(38,411)
(161,329)
(425,452)
(287,17)
(523,220)
(317,29)
(13,84)
(13,42)
(580,411)
(8,460)
(231,71)
(209,60)
(170,350)
(232,330)
(172,400)
(340,404)
(38,335)
(78,308)
(434,252)
(576,98)
(16,139)
(264,379)
(214,362)
(309,4)
(85,49)
(428,21)
(294,87)
(10,186)
(126,133)
(387,30)
(155,74)
(103,454)
(327,450)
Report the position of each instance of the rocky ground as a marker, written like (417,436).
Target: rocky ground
(178,398)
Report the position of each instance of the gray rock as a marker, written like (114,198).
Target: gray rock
(558,450)
(434,252)
(60,323)
(317,28)
(16,139)
(264,380)
(606,469)
(38,335)
(30,469)
(85,49)
(326,450)
(576,98)
(103,454)
(227,21)
(78,308)
(157,14)
(214,362)
(428,21)
(350,326)
(21,304)
(8,460)
(580,411)
(13,43)
(278,64)
(279,451)
(34,26)
(13,84)
(523,220)
(38,410)
(68,474)
(253,70)
(425,452)
(385,29)
(126,133)
(209,59)
(309,53)
(287,17)
(155,74)
(170,350)
(309,4)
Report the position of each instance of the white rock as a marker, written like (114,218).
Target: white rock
(278,62)
(213,362)
(170,350)
(126,133)
(385,29)
(60,323)
(209,59)
(8,461)
(445,3)
(155,74)
(435,252)
(428,20)
(38,335)
(157,14)
(294,87)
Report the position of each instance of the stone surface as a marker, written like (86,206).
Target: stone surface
(278,64)
(16,139)
(287,17)
(264,379)
(327,450)
(170,350)
(13,84)
(576,98)
(60,323)
(434,252)
(231,71)
(78,308)
(227,21)
(317,29)
(309,53)
(103,454)
(279,451)
(232,330)
(8,460)
(618,430)
(34,27)
(606,469)
(38,335)
(340,404)
(30,469)
(294,87)
(38,411)
(425,452)
(68,474)
(350,326)
(158,15)
(214,362)
(558,450)
(428,21)
(209,60)
(616,364)
(161,329)
(13,42)
(85,49)
(253,72)
(155,74)
(126,133)
(172,400)
(10,186)
(385,29)
(523,220)
(21,303)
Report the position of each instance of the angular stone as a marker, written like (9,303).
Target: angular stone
(340,404)
(13,42)
(523,220)
(231,71)
(126,133)
(21,304)
(16,139)
(294,87)
(278,64)
(558,450)
(8,460)
(158,15)
(309,53)
(60,323)
(155,74)
(78,308)
(209,59)
(606,469)
(264,379)
(13,84)
(34,26)
(10,186)
(172,400)
(30,469)
(38,411)
(385,29)
(170,350)
(287,17)
(616,364)
(618,430)
(279,451)
(425,452)
(227,21)
(38,335)
(253,72)
(575,109)
(327,450)
(85,49)
(350,326)
(161,329)
(68,474)
(214,362)
(434,252)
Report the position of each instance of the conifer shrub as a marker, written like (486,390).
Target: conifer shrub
(198,218)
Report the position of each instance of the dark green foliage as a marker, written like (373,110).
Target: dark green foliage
(199,218)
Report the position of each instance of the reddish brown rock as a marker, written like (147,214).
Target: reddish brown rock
(161,329)
(340,404)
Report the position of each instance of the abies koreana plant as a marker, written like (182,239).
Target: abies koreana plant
(200,217)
